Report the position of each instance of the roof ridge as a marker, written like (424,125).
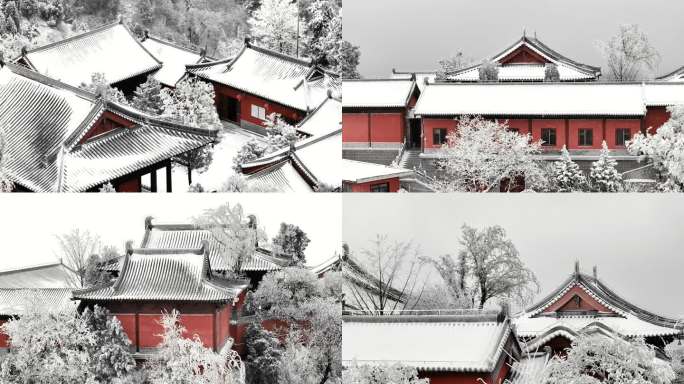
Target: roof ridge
(77,36)
(305,61)
(172,44)
(168,251)
(49,81)
(31,267)
(134,114)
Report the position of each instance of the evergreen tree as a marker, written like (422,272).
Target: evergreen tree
(567,175)
(93,275)
(251,150)
(111,353)
(274,25)
(489,71)
(263,355)
(348,57)
(322,32)
(147,97)
(604,176)
(291,241)
(13,17)
(551,72)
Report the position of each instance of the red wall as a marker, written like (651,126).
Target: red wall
(430,124)
(130,185)
(576,125)
(128,324)
(246,100)
(200,325)
(566,302)
(223,325)
(394,185)
(655,117)
(374,127)
(107,122)
(149,330)
(4,339)
(559,124)
(634,126)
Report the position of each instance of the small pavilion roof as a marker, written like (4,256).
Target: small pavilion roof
(437,343)
(568,69)
(45,121)
(378,93)
(165,274)
(363,172)
(174,58)
(624,318)
(111,49)
(294,82)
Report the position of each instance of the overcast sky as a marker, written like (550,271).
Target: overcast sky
(30,221)
(414,35)
(636,241)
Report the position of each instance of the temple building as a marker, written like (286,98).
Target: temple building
(527,60)
(46,286)
(174,58)
(584,304)
(445,347)
(157,280)
(63,139)
(258,82)
(74,60)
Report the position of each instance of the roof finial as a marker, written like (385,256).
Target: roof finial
(595,273)
(148,222)
(129,247)
(146,34)
(524,32)
(24,50)
(535,34)
(577,270)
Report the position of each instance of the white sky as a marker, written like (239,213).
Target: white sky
(637,240)
(415,35)
(30,221)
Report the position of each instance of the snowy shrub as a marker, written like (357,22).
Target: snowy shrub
(191,103)
(274,25)
(665,147)
(599,359)
(148,98)
(282,293)
(99,86)
(263,355)
(482,155)
(279,134)
(107,188)
(488,71)
(604,176)
(180,360)
(566,175)
(250,151)
(291,242)
(551,72)
(389,374)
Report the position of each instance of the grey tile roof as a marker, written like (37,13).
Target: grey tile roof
(111,49)
(13,301)
(44,120)
(290,81)
(179,236)
(166,274)
(52,275)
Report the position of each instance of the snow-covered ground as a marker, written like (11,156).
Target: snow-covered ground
(232,139)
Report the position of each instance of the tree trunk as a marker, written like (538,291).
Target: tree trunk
(189,174)
(326,373)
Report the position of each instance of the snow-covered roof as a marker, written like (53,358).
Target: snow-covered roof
(621,317)
(111,50)
(14,301)
(421,76)
(52,275)
(676,75)
(45,122)
(294,82)
(166,274)
(361,172)
(189,236)
(325,119)
(428,343)
(174,58)
(662,94)
(569,70)
(280,177)
(377,93)
(530,369)
(538,99)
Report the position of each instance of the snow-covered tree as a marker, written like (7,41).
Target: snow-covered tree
(566,176)
(148,97)
(279,133)
(192,103)
(181,360)
(99,86)
(551,72)
(489,71)
(264,354)
(604,176)
(251,150)
(481,155)
(348,58)
(238,183)
(385,374)
(291,242)
(488,268)
(274,25)
(93,274)
(451,64)
(281,294)
(675,351)
(111,356)
(235,231)
(323,31)
(12,18)
(601,360)
(76,247)
(665,148)
(107,188)
(6,184)
(299,362)
(628,54)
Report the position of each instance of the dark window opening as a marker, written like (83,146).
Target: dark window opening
(383,187)
(516,130)
(439,136)
(622,136)
(548,136)
(586,136)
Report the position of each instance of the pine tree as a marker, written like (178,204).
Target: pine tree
(148,97)
(274,25)
(263,355)
(348,57)
(111,353)
(291,241)
(323,30)
(604,176)
(567,175)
